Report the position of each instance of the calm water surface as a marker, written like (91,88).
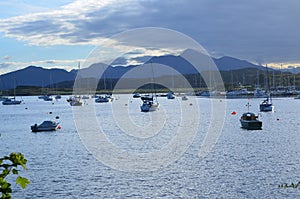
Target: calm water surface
(243,164)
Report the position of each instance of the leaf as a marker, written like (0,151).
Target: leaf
(22,181)
(15,171)
(5,185)
(4,173)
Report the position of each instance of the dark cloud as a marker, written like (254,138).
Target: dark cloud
(254,30)
(36,27)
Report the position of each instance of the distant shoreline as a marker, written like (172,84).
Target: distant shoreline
(38,91)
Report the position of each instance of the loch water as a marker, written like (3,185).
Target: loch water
(242,164)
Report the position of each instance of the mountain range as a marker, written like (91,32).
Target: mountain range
(41,77)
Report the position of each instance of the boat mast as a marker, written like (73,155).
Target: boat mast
(268,83)
(15,87)
(153,82)
(257,79)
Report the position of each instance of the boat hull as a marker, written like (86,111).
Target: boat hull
(76,103)
(16,102)
(45,126)
(149,107)
(101,100)
(41,129)
(251,125)
(266,107)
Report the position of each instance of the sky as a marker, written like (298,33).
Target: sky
(61,33)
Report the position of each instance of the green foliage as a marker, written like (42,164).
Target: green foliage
(292,185)
(9,165)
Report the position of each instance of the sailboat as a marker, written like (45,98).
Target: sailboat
(170,95)
(106,97)
(75,101)
(266,104)
(150,104)
(12,101)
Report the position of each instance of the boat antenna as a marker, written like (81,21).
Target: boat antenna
(248,105)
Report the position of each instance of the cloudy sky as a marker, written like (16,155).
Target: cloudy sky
(60,33)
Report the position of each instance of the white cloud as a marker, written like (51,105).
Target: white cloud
(65,26)
(6,57)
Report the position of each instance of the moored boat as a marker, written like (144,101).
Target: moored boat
(11,101)
(58,97)
(48,98)
(249,121)
(2,98)
(136,95)
(170,95)
(149,106)
(75,101)
(184,98)
(266,105)
(45,126)
(102,99)
(297,97)
(146,97)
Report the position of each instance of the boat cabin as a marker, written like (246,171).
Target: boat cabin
(249,116)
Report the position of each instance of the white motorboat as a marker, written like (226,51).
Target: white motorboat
(45,126)
(75,101)
(11,101)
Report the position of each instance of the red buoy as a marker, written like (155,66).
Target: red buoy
(233,113)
